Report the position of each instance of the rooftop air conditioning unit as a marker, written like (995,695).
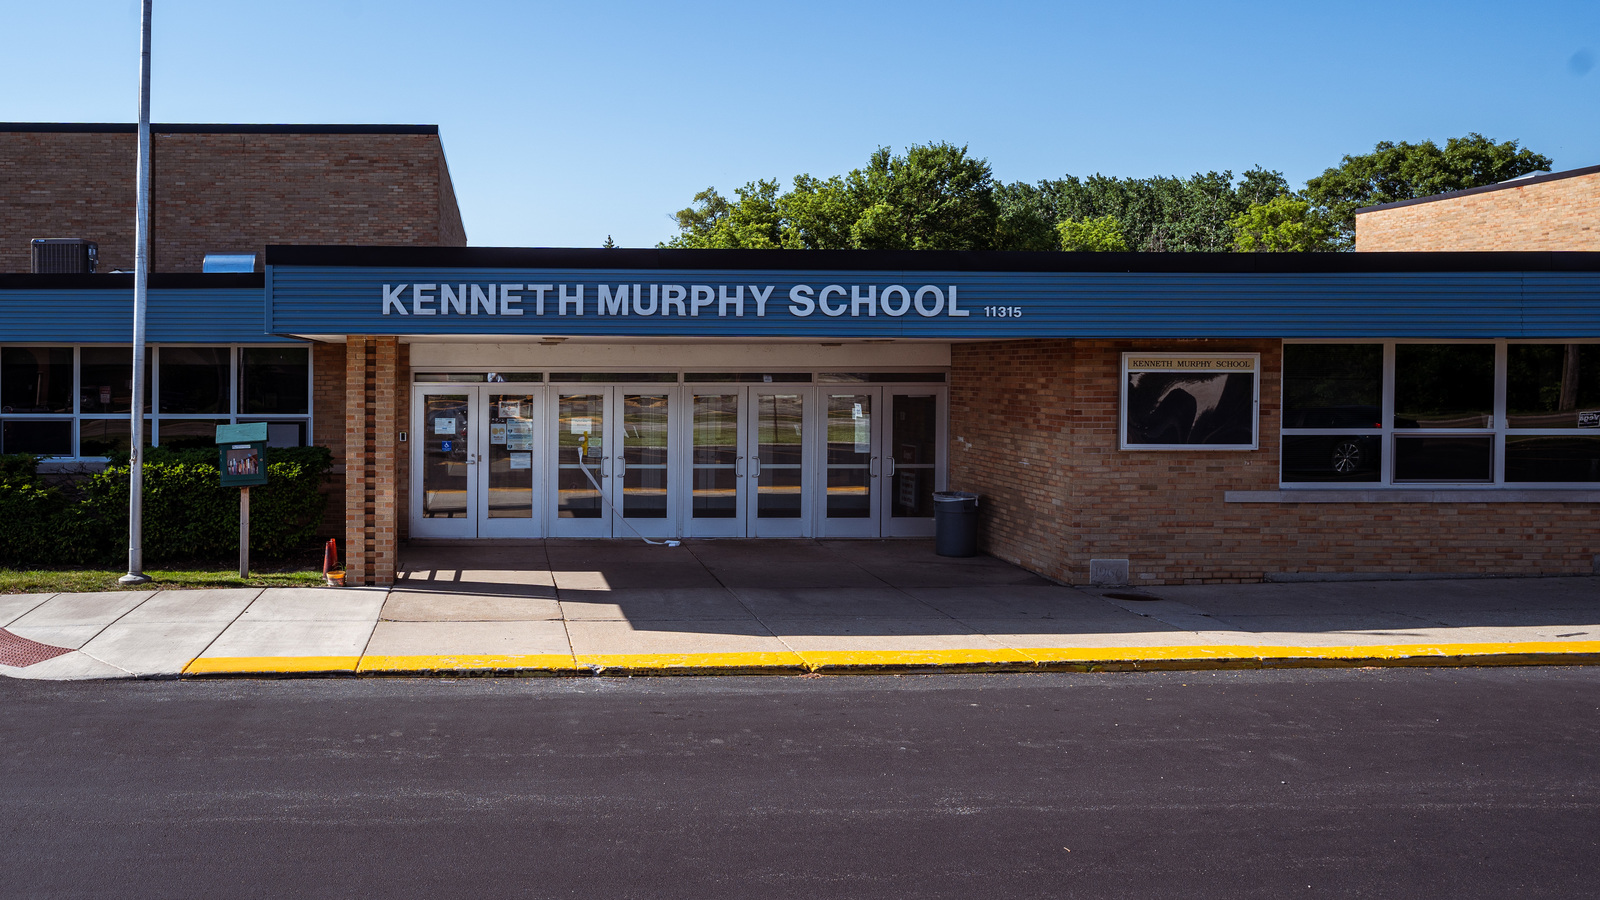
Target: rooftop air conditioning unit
(64,256)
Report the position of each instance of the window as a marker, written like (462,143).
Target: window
(1441,413)
(36,380)
(274,381)
(70,402)
(194,380)
(1189,401)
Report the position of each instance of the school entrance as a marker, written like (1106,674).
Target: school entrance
(674,454)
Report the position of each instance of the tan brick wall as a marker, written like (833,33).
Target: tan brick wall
(1563,214)
(373,475)
(327,430)
(1033,429)
(357,458)
(221,193)
(329,405)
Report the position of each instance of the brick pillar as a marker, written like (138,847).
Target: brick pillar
(386,471)
(370,472)
(356,459)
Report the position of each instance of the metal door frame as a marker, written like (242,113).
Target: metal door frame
(667,527)
(607,469)
(422,527)
(871,525)
(534,525)
(774,527)
(908,526)
(738,525)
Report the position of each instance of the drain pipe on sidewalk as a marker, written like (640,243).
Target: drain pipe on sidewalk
(583,451)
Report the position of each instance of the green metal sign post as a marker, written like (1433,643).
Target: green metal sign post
(241,457)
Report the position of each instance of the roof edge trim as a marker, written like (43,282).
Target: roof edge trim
(200,128)
(411,257)
(1484,189)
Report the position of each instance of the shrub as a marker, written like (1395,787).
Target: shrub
(30,513)
(188,514)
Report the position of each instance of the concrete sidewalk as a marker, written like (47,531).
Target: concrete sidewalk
(782,607)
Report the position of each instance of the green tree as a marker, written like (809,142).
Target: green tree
(819,213)
(1406,171)
(1101,234)
(1024,221)
(934,197)
(1280,224)
(714,222)
(1155,214)
(609,244)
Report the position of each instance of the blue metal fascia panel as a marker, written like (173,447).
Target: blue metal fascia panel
(98,315)
(349,300)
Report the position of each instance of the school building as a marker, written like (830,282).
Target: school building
(1149,418)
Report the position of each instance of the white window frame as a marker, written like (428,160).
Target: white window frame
(1498,430)
(154,417)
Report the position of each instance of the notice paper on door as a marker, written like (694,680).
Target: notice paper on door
(497,432)
(583,425)
(511,409)
(522,460)
(863,436)
(444,425)
(519,434)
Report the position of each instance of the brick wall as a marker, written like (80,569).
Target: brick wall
(1560,214)
(327,430)
(1033,429)
(223,192)
(372,473)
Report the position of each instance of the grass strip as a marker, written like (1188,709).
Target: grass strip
(54,581)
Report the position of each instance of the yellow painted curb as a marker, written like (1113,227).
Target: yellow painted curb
(270,665)
(690,663)
(555,663)
(824,660)
(1553,651)
(842,661)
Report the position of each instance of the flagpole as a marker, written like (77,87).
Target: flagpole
(141,281)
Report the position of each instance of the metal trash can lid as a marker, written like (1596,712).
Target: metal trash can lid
(954,496)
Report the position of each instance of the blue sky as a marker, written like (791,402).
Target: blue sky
(567,122)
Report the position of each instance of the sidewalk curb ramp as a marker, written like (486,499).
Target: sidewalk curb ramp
(841,662)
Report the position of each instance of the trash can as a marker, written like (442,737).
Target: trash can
(955,523)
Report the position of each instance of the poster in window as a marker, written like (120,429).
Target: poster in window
(519,434)
(1190,401)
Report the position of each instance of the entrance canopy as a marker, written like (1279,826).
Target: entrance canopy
(495,293)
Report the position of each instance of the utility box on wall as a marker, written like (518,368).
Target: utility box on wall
(241,454)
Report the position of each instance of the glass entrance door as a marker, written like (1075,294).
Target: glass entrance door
(445,499)
(474,459)
(510,476)
(913,462)
(612,459)
(579,459)
(851,493)
(716,477)
(643,466)
(778,504)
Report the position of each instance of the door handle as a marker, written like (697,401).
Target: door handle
(872,467)
(888,466)
(755,466)
(738,470)
(602,466)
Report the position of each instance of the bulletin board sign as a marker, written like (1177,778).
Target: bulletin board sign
(1189,401)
